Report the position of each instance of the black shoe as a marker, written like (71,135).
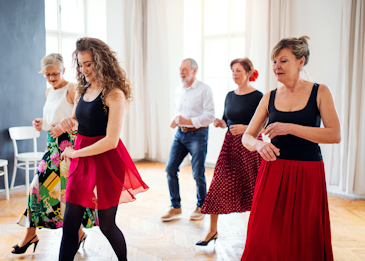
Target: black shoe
(205,243)
(83,238)
(21,250)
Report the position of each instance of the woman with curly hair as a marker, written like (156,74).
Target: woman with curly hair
(46,199)
(102,174)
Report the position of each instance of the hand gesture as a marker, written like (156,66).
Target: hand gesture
(219,123)
(68,153)
(237,129)
(277,129)
(37,124)
(173,124)
(56,131)
(68,125)
(267,150)
(179,120)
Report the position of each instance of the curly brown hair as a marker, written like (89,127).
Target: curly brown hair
(107,71)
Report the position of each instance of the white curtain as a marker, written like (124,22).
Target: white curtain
(348,166)
(146,124)
(267,21)
(134,124)
(157,81)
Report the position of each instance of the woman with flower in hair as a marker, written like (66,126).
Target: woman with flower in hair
(46,200)
(102,174)
(235,173)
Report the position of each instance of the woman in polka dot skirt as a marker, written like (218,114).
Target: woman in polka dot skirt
(235,173)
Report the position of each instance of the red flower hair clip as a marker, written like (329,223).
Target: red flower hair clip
(255,75)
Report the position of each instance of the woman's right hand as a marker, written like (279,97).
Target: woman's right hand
(68,125)
(37,124)
(219,123)
(267,150)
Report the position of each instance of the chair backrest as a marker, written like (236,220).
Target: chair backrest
(23,133)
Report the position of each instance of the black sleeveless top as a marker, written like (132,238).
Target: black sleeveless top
(239,109)
(292,147)
(92,117)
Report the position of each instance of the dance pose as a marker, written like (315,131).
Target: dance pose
(194,112)
(235,173)
(46,200)
(102,174)
(289,218)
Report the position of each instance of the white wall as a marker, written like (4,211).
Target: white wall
(321,21)
(96,19)
(115,29)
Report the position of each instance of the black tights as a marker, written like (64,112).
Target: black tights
(71,224)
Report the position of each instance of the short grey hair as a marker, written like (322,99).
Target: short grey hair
(50,60)
(192,63)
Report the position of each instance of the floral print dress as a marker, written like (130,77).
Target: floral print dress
(46,200)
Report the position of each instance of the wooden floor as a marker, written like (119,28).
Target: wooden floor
(150,239)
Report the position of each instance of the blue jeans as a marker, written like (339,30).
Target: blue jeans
(195,143)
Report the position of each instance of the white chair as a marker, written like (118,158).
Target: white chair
(27,158)
(4,164)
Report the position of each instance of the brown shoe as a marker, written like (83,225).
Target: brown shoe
(197,214)
(173,213)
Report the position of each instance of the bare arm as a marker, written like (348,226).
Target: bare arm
(249,139)
(56,130)
(329,134)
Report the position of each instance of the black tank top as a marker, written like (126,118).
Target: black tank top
(92,117)
(292,147)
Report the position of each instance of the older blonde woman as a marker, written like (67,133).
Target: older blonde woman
(289,217)
(46,200)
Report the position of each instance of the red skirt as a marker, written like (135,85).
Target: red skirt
(104,180)
(289,218)
(234,179)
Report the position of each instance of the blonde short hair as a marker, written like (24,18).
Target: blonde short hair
(50,60)
(298,47)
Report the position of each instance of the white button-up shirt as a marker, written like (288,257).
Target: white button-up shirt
(195,103)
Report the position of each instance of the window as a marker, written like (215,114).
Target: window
(65,23)
(223,41)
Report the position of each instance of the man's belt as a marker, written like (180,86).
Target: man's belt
(187,129)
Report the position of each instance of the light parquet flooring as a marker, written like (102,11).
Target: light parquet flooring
(149,239)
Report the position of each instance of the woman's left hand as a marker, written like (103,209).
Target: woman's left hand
(277,129)
(237,129)
(55,132)
(68,153)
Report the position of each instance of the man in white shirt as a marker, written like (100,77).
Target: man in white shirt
(194,112)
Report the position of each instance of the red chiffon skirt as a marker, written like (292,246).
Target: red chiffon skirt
(289,218)
(105,180)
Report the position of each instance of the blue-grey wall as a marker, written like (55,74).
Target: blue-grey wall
(22,88)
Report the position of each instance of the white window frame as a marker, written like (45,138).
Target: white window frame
(230,35)
(62,34)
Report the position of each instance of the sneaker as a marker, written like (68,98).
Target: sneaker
(197,214)
(173,213)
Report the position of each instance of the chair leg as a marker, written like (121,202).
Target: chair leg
(14,173)
(6,181)
(27,177)
(35,168)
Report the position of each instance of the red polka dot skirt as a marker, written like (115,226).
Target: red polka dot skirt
(234,178)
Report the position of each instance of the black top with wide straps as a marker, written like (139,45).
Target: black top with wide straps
(239,109)
(92,117)
(292,147)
